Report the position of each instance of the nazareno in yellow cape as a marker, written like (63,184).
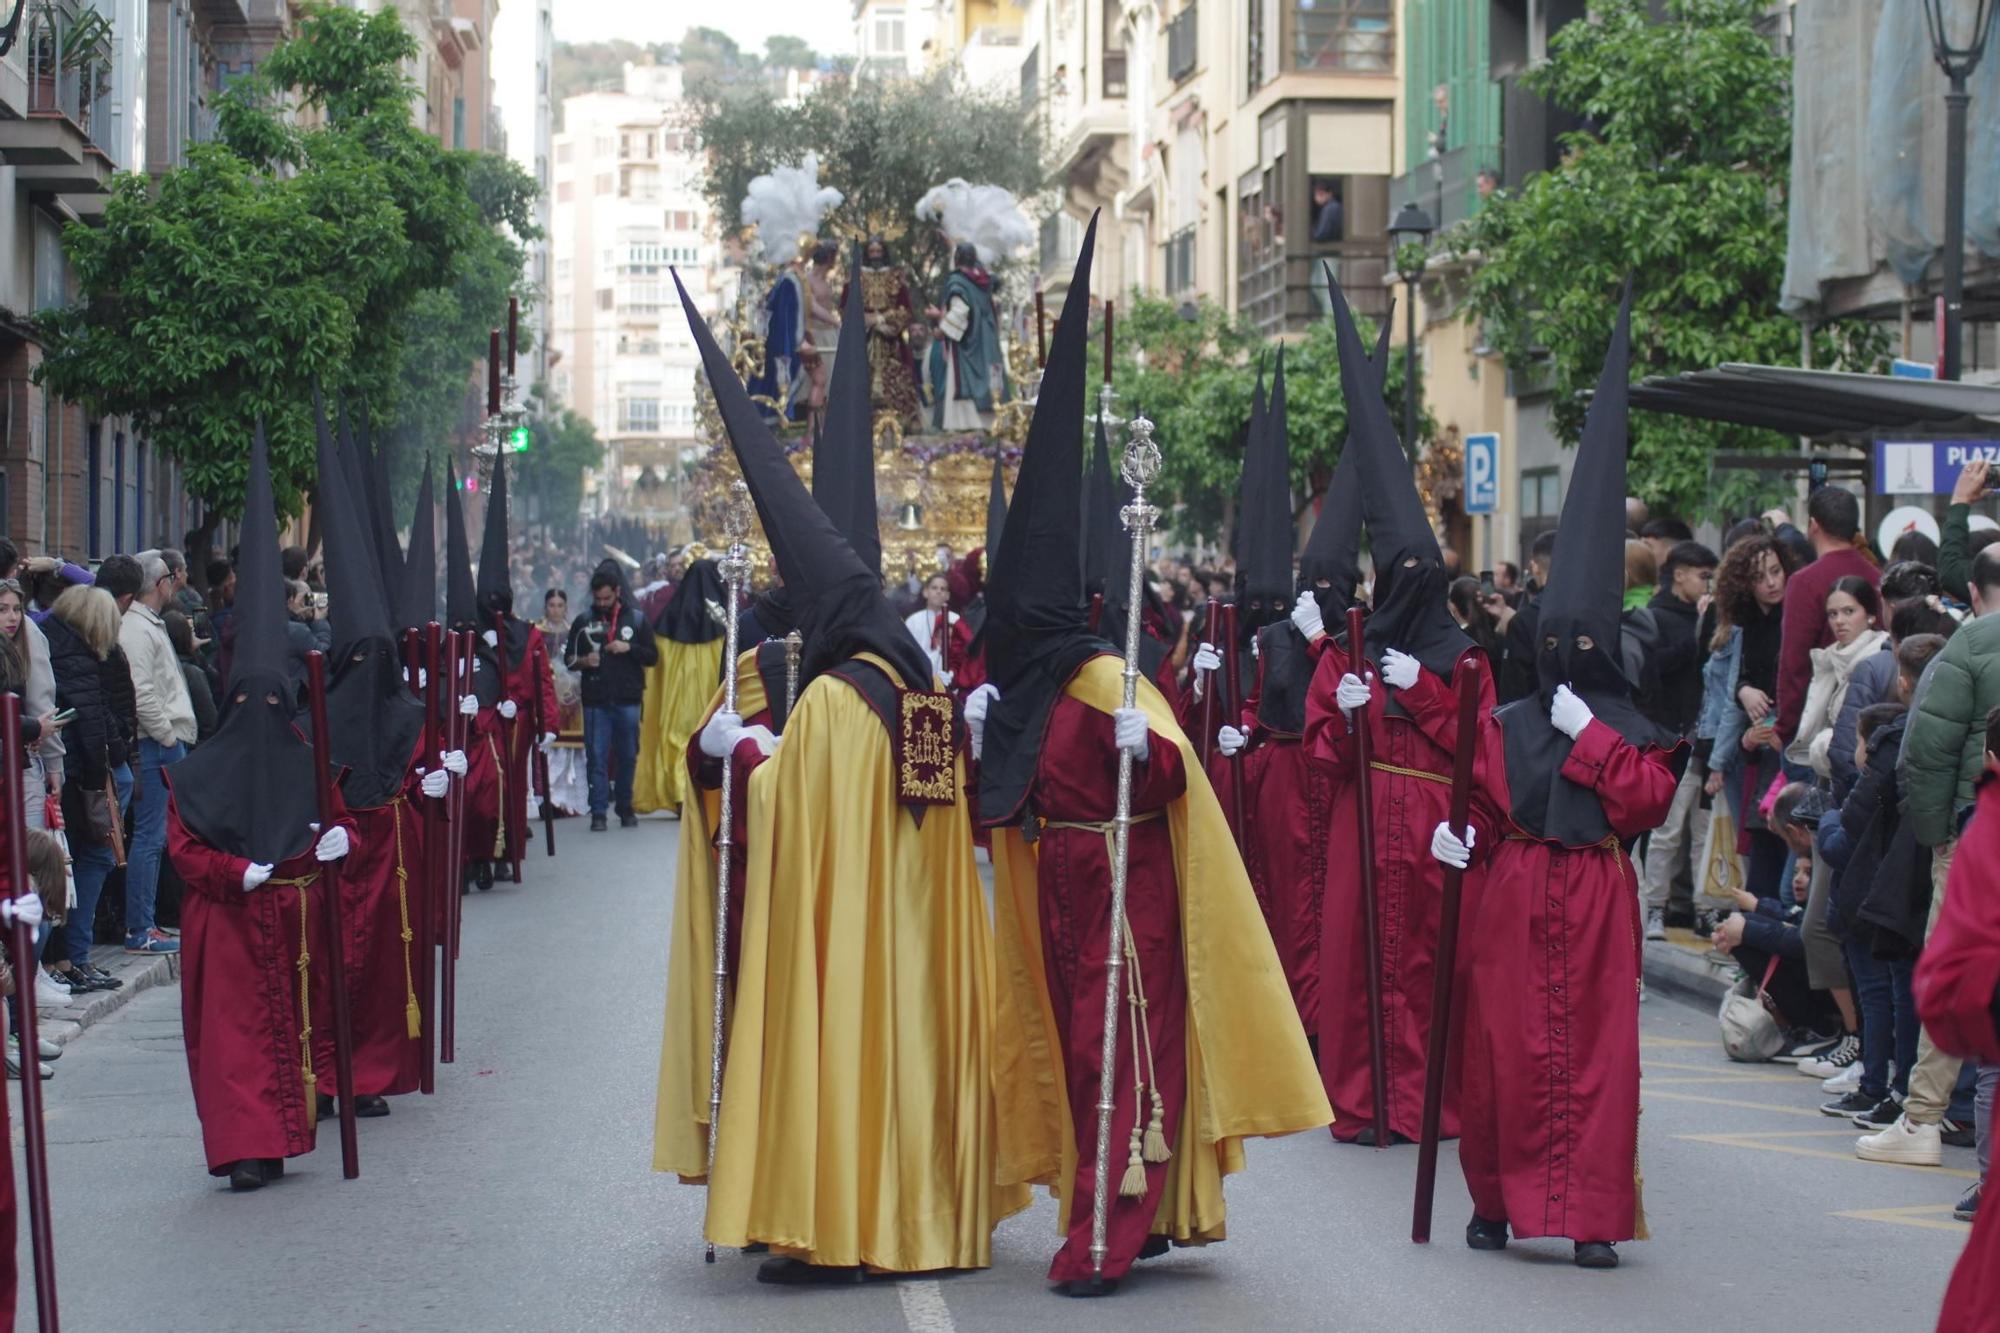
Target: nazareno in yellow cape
(1249,1070)
(858,1098)
(680,1115)
(677,687)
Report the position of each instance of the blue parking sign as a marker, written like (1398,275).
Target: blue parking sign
(1482,473)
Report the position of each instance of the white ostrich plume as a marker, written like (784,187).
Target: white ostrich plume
(987,216)
(787,205)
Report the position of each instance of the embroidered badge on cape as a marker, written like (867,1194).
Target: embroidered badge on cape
(925,769)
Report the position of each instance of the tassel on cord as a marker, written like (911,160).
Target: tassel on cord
(1156,1149)
(1133,1185)
(305,1018)
(1639,1230)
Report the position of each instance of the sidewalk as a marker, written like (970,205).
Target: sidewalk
(63,1023)
(1684,967)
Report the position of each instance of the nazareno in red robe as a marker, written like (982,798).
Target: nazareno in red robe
(1287,804)
(486,786)
(1076,782)
(1549,1103)
(10,1276)
(1410,787)
(1958,998)
(240,1012)
(532,686)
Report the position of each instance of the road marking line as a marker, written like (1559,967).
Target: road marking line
(924,1310)
(1723,1071)
(1648,1043)
(1731,1101)
(1663,1080)
(1930,1216)
(1741,1141)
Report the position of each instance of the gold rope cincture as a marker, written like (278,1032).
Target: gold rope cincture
(302,883)
(500,778)
(413,1019)
(1443,779)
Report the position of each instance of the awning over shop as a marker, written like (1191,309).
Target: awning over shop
(1823,404)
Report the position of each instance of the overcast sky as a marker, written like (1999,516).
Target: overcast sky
(827,24)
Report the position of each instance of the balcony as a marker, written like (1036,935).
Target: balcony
(1114,75)
(1279,289)
(1346,37)
(1180,262)
(1183,44)
(68,82)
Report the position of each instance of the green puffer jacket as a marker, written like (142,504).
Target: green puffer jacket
(1946,743)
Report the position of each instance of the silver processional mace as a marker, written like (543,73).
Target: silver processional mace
(1141,465)
(735,570)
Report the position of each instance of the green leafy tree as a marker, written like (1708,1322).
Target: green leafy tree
(563,446)
(786,52)
(1680,185)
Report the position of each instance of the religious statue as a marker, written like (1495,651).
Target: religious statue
(968,378)
(887,310)
(787,343)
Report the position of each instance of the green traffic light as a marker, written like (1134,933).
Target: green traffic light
(517,440)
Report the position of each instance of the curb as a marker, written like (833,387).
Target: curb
(1692,973)
(64,1023)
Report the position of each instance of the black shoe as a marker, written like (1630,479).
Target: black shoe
(1595,1254)
(370,1108)
(597,824)
(95,978)
(1807,1046)
(1954,1135)
(784,1272)
(628,820)
(1366,1138)
(1483,1234)
(247,1175)
(1154,1247)
(756,1247)
(1853,1104)
(326,1107)
(503,871)
(1882,1115)
(482,875)
(1085,1287)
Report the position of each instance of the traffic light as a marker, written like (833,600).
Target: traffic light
(517,440)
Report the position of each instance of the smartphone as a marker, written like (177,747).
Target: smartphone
(64,718)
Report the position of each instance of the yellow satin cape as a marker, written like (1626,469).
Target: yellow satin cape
(676,687)
(1249,1070)
(680,1114)
(858,1101)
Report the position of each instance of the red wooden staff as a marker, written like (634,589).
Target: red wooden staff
(329,884)
(1364,759)
(1096,611)
(21,949)
(1464,679)
(451,863)
(1232,703)
(1212,628)
(1041,328)
(510,732)
(434,879)
(541,768)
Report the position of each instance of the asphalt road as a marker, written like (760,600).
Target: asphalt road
(519,1197)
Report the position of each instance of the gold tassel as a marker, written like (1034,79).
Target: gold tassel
(1156,1134)
(1639,1231)
(312,1101)
(412,1018)
(1133,1186)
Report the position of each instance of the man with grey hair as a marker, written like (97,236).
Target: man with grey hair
(166,729)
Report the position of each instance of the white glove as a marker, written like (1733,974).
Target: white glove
(469,706)
(453,761)
(1399,669)
(1129,726)
(1446,847)
(1207,659)
(254,875)
(548,739)
(1230,740)
(332,844)
(716,731)
(1306,616)
(976,704)
(767,744)
(27,907)
(508,708)
(423,678)
(492,638)
(436,783)
(1352,694)
(1569,714)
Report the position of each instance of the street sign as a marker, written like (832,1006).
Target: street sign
(1927,467)
(1482,473)
(1912,370)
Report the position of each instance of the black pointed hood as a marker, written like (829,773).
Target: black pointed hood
(1264,571)
(837,598)
(354,472)
(460,595)
(382,515)
(495,585)
(355,607)
(248,789)
(1037,632)
(1409,610)
(1333,547)
(996,509)
(417,606)
(1103,529)
(844,456)
(1583,600)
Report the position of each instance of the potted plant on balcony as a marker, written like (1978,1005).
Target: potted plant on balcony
(86,54)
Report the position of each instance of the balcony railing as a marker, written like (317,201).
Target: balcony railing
(1281,291)
(1114,74)
(68,64)
(1180,261)
(1183,44)
(1341,36)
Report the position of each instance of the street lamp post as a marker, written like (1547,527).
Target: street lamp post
(1958,63)
(1407,237)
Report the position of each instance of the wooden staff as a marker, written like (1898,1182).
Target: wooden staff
(510,732)
(1364,758)
(1464,679)
(329,886)
(453,859)
(1041,328)
(435,836)
(1232,707)
(21,949)
(1211,630)
(735,568)
(1141,465)
(1096,611)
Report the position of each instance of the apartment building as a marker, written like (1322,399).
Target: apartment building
(524,54)
(627,210)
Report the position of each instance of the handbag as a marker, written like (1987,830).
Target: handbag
(1722,868)
(1750,1033)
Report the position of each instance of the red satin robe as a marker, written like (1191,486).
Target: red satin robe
(1410,787)
(1550,1097)
(240,1010)
(1076,781)
(487,784)
(1958,998)
(532,686)
(10,1277)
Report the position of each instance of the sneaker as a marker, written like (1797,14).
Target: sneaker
(171,932)
(1968,1204)
(144,942)
(1905,1143)
(49,992)
(42,1071)
(1807,1045)
(597,824)
(1704,924)
(1955,1135)
(1885,1113)
(628,820)
(1847,1080)
(1851,1105)
(1845,1054)
(1656,924)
